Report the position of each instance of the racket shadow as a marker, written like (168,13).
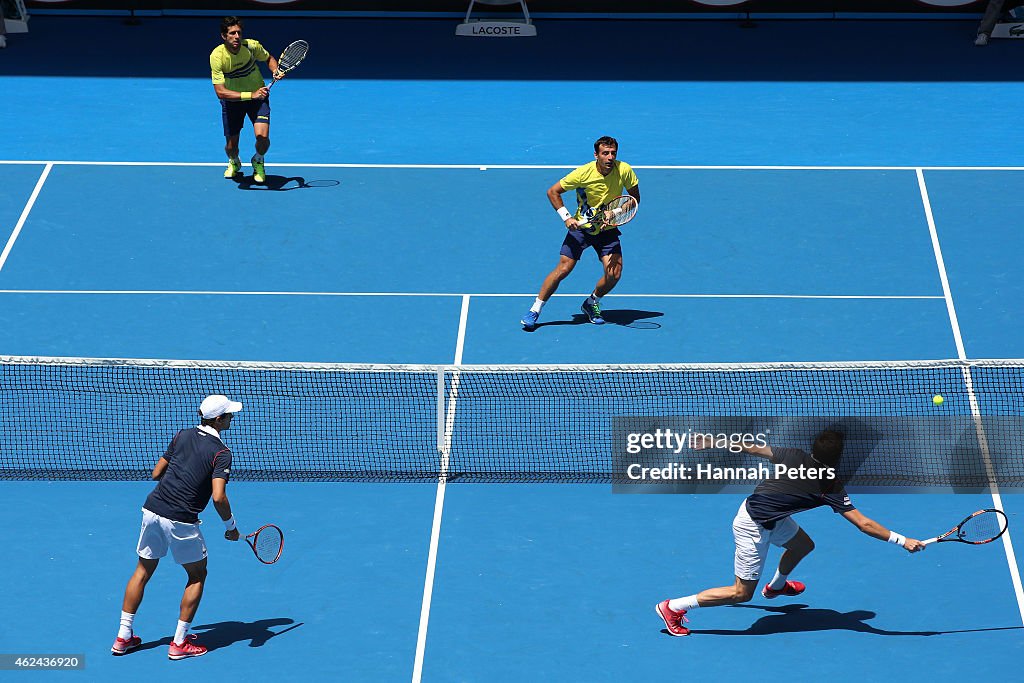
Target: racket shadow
(623,317)
(800,618)
(227,633)
(279,183)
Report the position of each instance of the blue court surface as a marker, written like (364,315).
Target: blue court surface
(863,206)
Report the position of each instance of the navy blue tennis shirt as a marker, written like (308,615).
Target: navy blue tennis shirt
(775,499)
(196,458)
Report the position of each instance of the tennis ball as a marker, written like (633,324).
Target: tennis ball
(937,400)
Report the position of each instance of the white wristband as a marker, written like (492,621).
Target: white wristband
(564,214)
(896,538)
(229,524)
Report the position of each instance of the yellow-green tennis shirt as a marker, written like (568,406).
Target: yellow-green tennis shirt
(594,190)
(239,72)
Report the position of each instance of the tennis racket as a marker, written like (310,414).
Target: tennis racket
(291,58)
(984,526)
(614,214)
(267,543)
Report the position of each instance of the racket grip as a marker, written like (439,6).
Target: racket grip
(929,541)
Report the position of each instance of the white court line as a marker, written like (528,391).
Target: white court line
(444,447)
(997,501)
(24,215)
(186,292)
(486,166)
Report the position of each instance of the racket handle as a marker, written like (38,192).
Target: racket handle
(929,541)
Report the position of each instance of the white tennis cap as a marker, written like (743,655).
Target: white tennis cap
(217,405)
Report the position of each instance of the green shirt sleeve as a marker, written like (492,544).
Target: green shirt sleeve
(257,50)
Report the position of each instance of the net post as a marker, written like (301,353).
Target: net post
(440,410)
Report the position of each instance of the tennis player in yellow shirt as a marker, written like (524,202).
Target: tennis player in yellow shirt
(596,183)
(239,86)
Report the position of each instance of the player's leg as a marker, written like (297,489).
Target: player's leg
(196,572)
(260,116)
(607,246)
(153,544)
(569,255)
(136,588)
(740,591)
(126,640)
(752,543)
(787,534)
(183,645)
(232,118)
(189,549)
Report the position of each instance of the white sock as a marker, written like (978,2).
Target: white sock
(686,603)
(125,632)
(257,157)
(779,582)
(593,299)
(537,306)
(182,632)
(235,159)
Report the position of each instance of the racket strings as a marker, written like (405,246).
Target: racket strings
(620,210)
(268,544)
(293,55)
(983,527)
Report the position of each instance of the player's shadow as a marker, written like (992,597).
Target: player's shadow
(624,317)
(801,619)
(225,633)
(279,183)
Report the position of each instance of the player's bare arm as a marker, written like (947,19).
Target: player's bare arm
(226,94)
(159,469)
(555,193)
(875,530)
(223,506)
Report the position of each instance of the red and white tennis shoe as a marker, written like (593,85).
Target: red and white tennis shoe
(123,647)
(791,588)
(673,620)
(186,649)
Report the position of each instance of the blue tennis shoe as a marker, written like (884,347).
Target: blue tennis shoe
(529,320)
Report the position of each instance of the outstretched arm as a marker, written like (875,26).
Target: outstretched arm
(875,530)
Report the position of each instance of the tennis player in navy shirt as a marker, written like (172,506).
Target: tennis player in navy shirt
(195,468)
(765,519)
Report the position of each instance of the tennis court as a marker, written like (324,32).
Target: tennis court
(855,209)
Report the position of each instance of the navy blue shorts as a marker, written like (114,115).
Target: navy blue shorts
(233,113)
(604,243)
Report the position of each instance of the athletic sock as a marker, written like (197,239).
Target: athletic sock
(688,603)
(537,306)
(182,632)
(779,582)
(125,632)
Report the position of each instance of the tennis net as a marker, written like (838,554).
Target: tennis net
(77,418)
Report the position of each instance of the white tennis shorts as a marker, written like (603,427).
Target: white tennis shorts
(752,541)
(158,533)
